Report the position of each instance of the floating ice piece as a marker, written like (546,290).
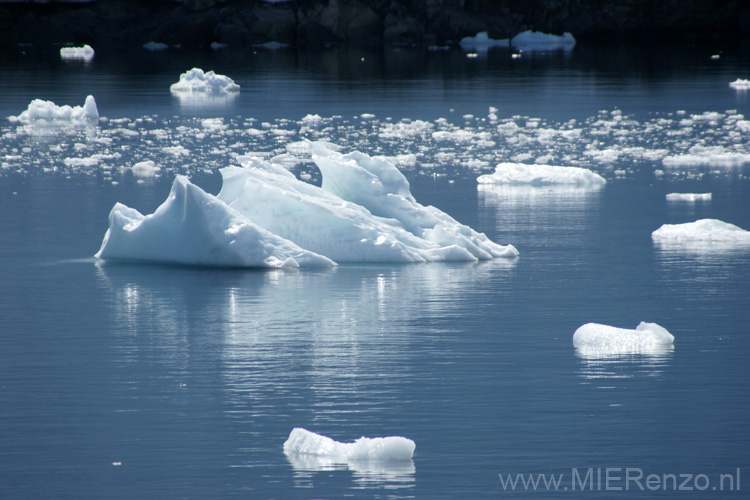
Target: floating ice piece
(47,113)
(536,40)
(713,156)
(196,80)
(740,84)
(192,227)
(594,340)
(542,175)
(392,448)
(483,42)
(155,46)
(146,168)
(380,187)
(85,53)
(711,231)
(691,197)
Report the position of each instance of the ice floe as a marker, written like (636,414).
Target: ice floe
(706,232)
(386,449)
(689,197)
(192,227)
(507,173)
(198,81)
(366,214)
(536,40)
(85,53)
(594,340)
(47,113)
(740,84)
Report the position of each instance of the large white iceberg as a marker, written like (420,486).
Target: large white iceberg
(85,53)
(196,80)
(47,113)
(391,449)
(536,40)
(541,175)
(370,217)
(192,227)
(594,340)
(705,231)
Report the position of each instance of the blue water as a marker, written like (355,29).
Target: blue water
(146,381)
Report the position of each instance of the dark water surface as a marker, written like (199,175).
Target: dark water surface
(144,381)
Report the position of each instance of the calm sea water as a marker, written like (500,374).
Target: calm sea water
(145,381)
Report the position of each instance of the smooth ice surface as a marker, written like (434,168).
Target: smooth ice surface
(392,448)
(85,53)
(41,112)
(596,340)
(710,231)
(483,42)
(691,197)
(192,227)
(536,40)
(196,80)
(541,175)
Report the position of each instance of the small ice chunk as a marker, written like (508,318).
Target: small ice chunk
(47,113)
(702,231)
(690,197)
(541,175)
(740,84)
(196,80)
(155,46)
(597,340)
(85,53)
(146,168)
(391,449)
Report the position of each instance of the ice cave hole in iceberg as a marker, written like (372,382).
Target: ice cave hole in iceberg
(265,217)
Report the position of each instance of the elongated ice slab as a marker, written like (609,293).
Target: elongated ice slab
(196,80)
(192,227)
(712,231)
(391,449)
(483,42)
(85,53)
(541,175)
(536,40)
(47,113)
(689,197)
(597,340)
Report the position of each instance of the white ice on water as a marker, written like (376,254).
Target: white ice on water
(689,197)
(594,340)
(483,42)
(740,84)
(85,53)
(47,113)
(366,215)
(196,80)
(387,449)
(536,40)
(507,173)
(192,227)
(703,231)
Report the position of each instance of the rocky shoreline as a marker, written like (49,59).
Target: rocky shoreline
(310,23)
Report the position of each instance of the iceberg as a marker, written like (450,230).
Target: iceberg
(47,113)
(263,200)
(192,227)
(390,449)
(196,80)
(594,340)
(740,84)
(482,42)
(85,53)
(542,175)
(536,40)
(703,231)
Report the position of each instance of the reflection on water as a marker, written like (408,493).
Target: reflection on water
(205,100)
(366,474)
(622,363)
